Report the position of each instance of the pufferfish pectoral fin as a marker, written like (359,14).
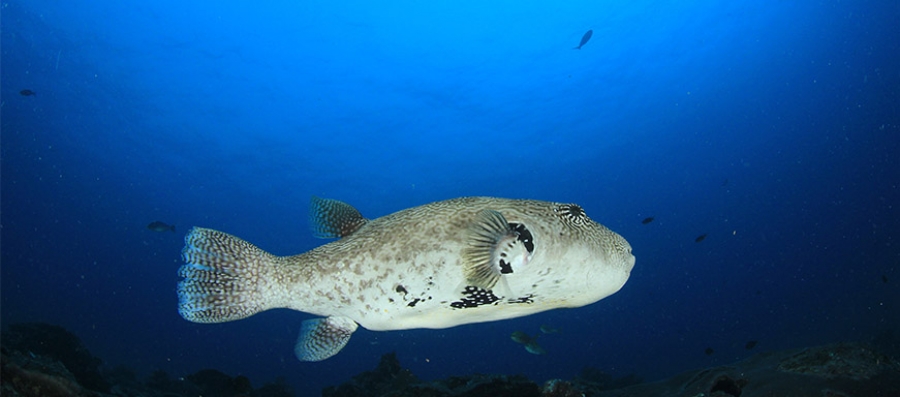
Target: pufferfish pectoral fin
(322,338)
(333,219)
(485,234)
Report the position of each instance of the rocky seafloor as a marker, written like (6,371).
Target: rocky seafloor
(42,360)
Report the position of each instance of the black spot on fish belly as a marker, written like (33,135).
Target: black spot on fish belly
(474,297)
(414,302)
(523,299)
(647,220)
(700,238)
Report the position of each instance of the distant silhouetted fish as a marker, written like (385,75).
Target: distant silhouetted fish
(548,329)
(751,344)
(709,351)
(884,278)
(700,238)
(158,226)
(27,93)
(647,220)
(585,38)
(529,342)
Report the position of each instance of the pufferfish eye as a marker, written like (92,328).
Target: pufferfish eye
(574,213)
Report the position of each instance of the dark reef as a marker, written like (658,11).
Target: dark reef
(840,370)
(54,343)
(42,360)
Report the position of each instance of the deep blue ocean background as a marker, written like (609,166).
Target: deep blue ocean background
(772,126)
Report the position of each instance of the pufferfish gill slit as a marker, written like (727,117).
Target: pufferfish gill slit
(439,265)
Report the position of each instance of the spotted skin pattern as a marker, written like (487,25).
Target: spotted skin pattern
(406,270)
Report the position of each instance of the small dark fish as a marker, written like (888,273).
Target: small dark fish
(700,238)
(535,348)
(585,38)
(647,220)
(884,279)
(158,226)
(530,343)
(27,93)
(751,344)
(709,351)
(549,330)
(520,337)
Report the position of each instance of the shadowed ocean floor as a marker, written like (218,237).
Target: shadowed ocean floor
(46,360)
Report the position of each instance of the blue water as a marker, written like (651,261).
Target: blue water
(771,126)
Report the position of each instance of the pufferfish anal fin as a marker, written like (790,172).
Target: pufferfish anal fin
(485,235)
(322,338)
(333,219)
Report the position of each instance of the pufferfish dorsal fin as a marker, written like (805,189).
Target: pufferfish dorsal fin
(333,219)
(485,234)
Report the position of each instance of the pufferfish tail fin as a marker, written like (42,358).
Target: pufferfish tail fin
(222,277)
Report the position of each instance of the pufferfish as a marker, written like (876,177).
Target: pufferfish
(460,261)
